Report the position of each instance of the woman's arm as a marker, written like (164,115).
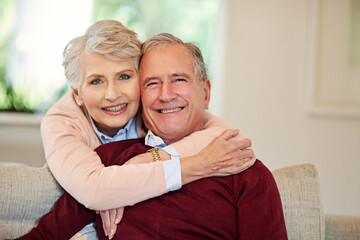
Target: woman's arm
(193,165)
(195,142)
(69,140)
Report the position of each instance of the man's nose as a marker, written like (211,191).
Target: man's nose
(167,93)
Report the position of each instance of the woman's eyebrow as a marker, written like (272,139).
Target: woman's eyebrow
(126,70)
(93,75)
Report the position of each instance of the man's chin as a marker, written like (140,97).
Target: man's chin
(170,135)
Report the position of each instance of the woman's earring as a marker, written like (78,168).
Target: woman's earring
(79,102)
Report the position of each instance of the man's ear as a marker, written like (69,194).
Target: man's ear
(207,90)
(78,99)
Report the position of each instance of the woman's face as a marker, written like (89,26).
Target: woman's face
(109,90)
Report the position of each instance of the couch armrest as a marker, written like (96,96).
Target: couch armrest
(341,227)
(299,190)
(27,193)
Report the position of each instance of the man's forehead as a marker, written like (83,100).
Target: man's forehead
(168,50)
(167,59)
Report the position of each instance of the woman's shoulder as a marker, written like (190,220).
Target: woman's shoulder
(66,104)
(65,118)
(65,108)
(65,112)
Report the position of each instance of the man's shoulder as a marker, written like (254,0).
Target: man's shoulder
(257,172)
(259,167)
(117,153)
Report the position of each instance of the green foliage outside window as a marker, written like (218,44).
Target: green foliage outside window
(191,20)
(10,99)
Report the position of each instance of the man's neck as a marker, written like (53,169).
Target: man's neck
(180,136)
(172,138)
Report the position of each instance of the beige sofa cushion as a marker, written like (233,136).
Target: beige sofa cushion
(300,195)
(27,193)
(342,227)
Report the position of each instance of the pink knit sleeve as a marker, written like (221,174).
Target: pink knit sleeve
(69,141)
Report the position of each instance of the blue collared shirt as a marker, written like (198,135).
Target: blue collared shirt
(128,132)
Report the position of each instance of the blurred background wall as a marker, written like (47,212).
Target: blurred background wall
(268,76)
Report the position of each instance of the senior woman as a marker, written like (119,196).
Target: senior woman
(103,106)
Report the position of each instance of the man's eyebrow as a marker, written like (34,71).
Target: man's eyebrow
(181,74)
(177,74)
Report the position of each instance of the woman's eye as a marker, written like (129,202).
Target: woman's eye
(124,77)
(95,81)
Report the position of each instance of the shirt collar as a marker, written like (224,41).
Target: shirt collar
(127,132)
(154,141)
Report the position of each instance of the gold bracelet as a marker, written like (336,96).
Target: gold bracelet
(155,154)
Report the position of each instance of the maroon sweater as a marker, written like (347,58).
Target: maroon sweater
(243,206)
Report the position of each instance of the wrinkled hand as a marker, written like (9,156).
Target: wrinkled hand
(222,157)
(110,219)
(228,157)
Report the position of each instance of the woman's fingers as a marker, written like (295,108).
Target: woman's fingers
(113,225)
(119,214)
(105,218)
(227,134)
(222,157)
(226,157)
(110,219)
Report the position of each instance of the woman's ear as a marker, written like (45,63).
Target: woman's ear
(78,99)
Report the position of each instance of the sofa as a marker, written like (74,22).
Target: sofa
(27,193)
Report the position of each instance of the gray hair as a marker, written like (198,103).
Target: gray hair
(167,38)
(108,38)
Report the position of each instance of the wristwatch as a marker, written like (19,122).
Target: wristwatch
(155,154)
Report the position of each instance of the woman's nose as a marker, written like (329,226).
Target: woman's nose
(112,92)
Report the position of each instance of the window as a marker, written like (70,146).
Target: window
(36,32)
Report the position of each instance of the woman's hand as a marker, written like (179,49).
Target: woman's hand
(110,219)
(222,157)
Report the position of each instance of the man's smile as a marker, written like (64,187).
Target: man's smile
(170,110)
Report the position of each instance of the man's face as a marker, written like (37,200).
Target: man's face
(173,100)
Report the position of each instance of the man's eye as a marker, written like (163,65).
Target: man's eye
(180,80)
(151,84)
(124,77)
(95,81)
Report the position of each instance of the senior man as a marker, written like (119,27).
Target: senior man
(175,95)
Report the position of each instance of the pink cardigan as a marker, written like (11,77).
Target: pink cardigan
(69,142)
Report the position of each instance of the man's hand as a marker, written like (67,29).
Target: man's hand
(110,219)
(222,157)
